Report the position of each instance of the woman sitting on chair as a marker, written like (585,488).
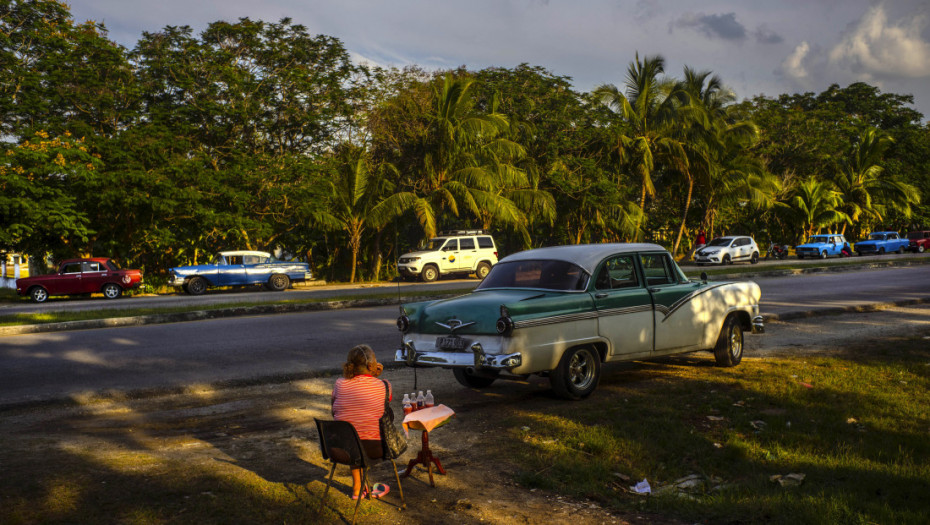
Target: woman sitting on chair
(358,397)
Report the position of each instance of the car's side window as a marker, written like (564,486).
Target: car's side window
(451,246)
(72,268)
(656,270)
(253,259)
(617,272)
(92,266)
(485,242)
(234,259)
(467,244)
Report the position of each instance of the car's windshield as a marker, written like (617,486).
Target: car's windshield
(720,241)
(435,244)
(877,237)
(818,239)
(540,274)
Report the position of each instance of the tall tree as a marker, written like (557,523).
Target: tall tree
(815,204)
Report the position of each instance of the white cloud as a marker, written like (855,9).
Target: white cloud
(793,66)
(877,47)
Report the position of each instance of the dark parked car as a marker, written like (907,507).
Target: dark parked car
(81,277)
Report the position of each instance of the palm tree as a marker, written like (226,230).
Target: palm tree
(866,193)
(360,200)
(816,203)
(468,163)
(648,107)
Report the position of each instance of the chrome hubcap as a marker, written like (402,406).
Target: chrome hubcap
(580,370)
(736,342)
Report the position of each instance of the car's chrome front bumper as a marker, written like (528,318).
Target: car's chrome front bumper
(758,325)
(476,358)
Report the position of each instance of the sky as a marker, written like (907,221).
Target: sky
(757,47)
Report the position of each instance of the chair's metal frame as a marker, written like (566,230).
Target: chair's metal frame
(359,456)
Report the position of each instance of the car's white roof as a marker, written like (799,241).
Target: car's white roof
(245,252)
(587,256)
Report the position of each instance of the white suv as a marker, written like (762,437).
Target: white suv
(728,250)
(461,251)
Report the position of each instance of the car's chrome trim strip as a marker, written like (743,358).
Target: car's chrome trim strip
(626,310)
(566,318)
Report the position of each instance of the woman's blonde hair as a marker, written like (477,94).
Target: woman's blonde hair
(357,361)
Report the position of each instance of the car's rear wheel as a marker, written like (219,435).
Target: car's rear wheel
(755,258)
(467,377)
(729,349)
(578,373)
(112,291)
(429,273)
(39,294)
(278,282)
(197,286)
(920,248)
(900,250)
(482,271)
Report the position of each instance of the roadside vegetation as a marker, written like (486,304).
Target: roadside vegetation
(260,135)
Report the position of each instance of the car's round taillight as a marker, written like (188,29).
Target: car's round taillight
(504,325)
(403,323)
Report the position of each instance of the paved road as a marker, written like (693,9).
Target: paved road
(51,365)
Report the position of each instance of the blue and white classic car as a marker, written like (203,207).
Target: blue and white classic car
(883,242)
(239,268)
(562,311)
(822,245)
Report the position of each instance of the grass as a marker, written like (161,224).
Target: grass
(855,425)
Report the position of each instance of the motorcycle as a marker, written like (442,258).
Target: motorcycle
(777,251)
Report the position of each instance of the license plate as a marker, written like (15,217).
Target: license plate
(451,343)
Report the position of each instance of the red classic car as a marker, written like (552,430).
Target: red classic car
(920,241)
(81,276)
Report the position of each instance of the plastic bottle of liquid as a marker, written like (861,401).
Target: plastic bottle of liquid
(430,401)
(421,400)
(413,401)
(408,408)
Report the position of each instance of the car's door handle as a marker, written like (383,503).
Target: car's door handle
(600,295)
(653,290)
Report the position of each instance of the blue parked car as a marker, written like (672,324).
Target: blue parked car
(239,268)
(823,246)
(881,243)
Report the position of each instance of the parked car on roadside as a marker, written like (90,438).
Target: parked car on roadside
(881,243)
(822,245)
(918,241)
(454,252)
(562,311)
(81,277)
(728,250)
(239,268)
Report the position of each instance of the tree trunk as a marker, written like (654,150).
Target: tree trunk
(684,216)
(376,270)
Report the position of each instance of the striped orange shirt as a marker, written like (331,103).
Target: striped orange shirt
(360,401)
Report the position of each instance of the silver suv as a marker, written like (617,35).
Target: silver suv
(453,252)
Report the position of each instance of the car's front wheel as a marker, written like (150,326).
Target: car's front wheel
(727,260)
(755,258)
(111,291)
(729,349)
(197,286)
(39,294)
(278,282)
(429,273)
(823,254)
(920,248)
(468,378)
(482,271)
(881,251)
(578,373)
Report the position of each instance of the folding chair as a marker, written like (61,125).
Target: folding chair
(340,444)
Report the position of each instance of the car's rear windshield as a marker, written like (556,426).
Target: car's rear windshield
(720,241)
(542,274)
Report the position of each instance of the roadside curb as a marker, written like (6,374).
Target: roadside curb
(839,310)
(815,269)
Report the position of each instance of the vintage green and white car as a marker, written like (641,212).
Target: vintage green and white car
(564,310)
